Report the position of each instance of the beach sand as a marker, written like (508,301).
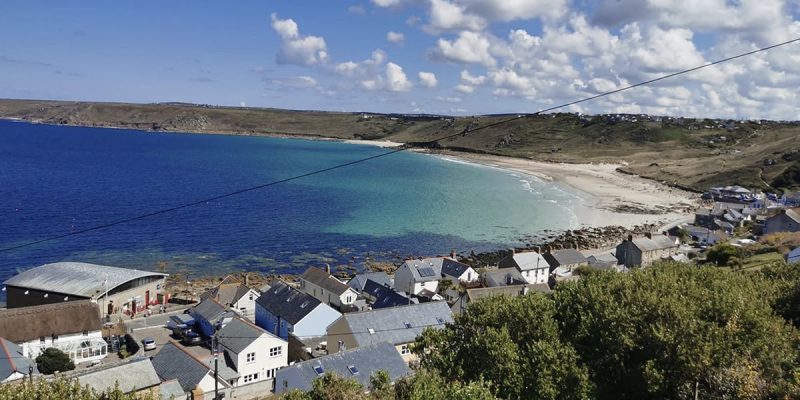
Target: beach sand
(610,197)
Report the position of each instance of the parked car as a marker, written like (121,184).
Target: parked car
(149,344)
(191,338)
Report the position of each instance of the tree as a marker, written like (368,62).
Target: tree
(786,282)
(723,254)
(53,360)
(61,389)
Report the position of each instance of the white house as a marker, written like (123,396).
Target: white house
(253,353)
(532,265)
(284,310)
(417,275)
(793,256)
(326,288)
(235,295)
(73,327)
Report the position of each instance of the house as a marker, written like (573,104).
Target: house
(235,295)
(283,310)
(791,199)
(532,265)
(253,353)
(703,217)
(602,261)
(210,315)
(13,363)
(471,295)
(195,376)
(793,256)
(116,290)
(381,296)
(357,282)
(568,259)
(135,376)
(73,327)
(326,288)
(398,326)
(360,364)
(503,277)
(417,275)
(705,236)
(643,251)
(785,221)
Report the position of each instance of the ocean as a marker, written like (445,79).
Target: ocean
(59,179)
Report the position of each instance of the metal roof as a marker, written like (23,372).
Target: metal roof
(359,364)
(132,376)
(391,324)
(76,278)
(287,302)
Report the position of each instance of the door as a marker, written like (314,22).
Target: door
(147,298)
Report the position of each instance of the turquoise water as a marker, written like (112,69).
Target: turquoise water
(57,179)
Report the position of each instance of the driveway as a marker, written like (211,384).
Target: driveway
(151,321)
(163,336)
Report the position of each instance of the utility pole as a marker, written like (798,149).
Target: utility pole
(216,367)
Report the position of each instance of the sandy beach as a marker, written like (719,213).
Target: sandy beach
(611,197)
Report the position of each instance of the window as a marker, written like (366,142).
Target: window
(272,372)
(41,339)
(251,357)
(405,350)
(275,351)
(371,331)
(250,378)
(349,299)
(251,297)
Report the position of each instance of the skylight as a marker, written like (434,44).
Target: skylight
(371,331)
(439,320)
(407,324)
(319,370)
(353,369)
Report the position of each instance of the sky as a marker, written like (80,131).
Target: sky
(457,57)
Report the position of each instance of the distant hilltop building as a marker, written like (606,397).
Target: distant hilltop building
(119,290)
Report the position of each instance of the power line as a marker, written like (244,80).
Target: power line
(398,150)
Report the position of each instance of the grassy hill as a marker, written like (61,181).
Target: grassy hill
(694,154)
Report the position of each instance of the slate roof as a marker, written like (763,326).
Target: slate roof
(367,361)
(238,334)
(287,302)
(76,279)
(525,261)
(385,297)
(793,256)
(324,280)
(658,242)
(565,257)
(500,276)
(358,281)
(28,323)
(226,293)
(171,390)
(602,260)
(131,376)
(389,324)
(453,268)
(12,360)
(173,362)
(210,309)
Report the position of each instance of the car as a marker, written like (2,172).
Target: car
(191,338)
(149,344)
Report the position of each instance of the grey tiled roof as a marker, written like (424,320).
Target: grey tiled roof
(172,362)
(77,279)
(500,277)
(238,334)
(171,390)
(389,324)
(439,265)
(453,268)
(287,302)
(367,361)
(12,360)
(226,293)
(565,257)
(358,281)
(385,297)
(210,309)
(324,280)
(525,261)
(131,376)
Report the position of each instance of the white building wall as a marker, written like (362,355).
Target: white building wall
(246,306)
(430,285)
(71,345)
(315,323)
(267,360)
(328,297)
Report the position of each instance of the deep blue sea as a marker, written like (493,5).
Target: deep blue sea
(58,179)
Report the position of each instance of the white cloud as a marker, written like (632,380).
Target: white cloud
(396,79)
(470,47)
(449,99)
(395,37)
(357,9)
(427,79)
(296,48)
(298,82)
(466,89)
(445,15)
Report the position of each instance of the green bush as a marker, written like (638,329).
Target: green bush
(53,360)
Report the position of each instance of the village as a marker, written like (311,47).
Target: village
(252,339)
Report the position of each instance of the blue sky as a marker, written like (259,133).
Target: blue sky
(475,56)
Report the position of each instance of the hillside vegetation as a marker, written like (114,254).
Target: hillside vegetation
(695,154)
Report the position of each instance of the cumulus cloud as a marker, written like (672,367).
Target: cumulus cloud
(297,82)
(297,48)
(395,37)
(396,79)
(427,79)
(469,47)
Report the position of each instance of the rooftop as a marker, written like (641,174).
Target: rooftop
(173,362)
(358,281)
(565,257)
(131,376)
(525,261)
(287,302)
(359,364)
(12,360)
(238,334)
(77,279)
(28,323)
(397,325)
(226,293)
(324,280)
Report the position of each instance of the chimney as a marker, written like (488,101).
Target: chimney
(537,249)
(246,279)
(453,254)
(630,238)
(512,251)
(328,268)
(509,279)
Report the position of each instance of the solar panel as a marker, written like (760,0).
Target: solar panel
(426,272)
(353,369)
(319,370)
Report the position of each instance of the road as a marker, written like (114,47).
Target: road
(151,321)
